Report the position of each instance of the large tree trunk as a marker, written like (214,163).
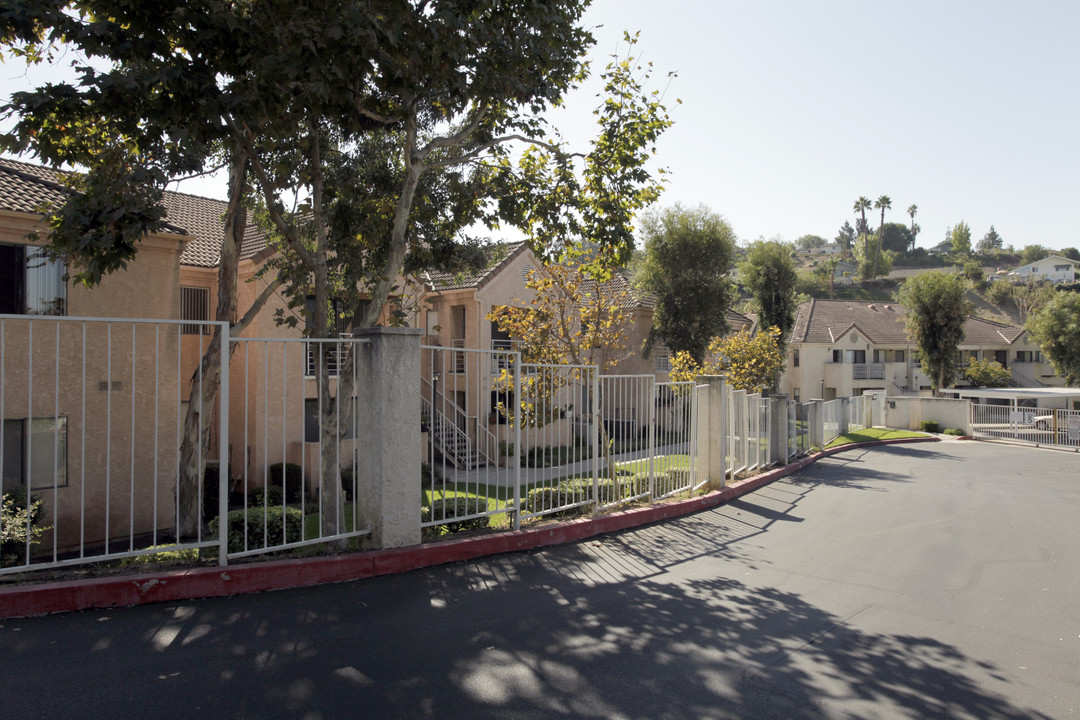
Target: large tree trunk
(195,443)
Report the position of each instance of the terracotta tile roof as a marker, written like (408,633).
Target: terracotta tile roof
(25,187)
(441,281)
(826,321)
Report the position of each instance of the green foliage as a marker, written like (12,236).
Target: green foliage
(930,426)
(290,478)
(164,555)
(20,525)
(460,506)
(871,261)
(961,240)
(1034,253)
(936,310)
(1070,252)
(261,528)
(987,373)
(809,242)
(953,431)
(990,242)
(999,292)
(846,237)
(973,271)
(896,237)
(688,253)
(271,496)
(768,272)
(1056,328)
(554,455)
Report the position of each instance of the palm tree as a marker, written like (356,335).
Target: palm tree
(861,206)
(912,209)
(884,203)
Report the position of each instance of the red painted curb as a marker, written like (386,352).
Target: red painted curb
(118,591)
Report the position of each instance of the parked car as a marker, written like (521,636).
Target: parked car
(1043,422)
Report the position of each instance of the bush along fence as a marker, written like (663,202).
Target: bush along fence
(372,441)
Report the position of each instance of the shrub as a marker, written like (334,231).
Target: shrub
(19,526)
(259,528)
(290,477)
(430,473)
(930,426)
(953,431)
(446,508)
(271,496)
(164,555)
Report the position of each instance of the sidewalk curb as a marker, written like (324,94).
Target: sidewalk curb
(177,585)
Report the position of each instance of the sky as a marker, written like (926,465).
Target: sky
(790,110)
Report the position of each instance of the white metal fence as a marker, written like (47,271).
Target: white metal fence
(93,419)
(94,414)
(1032,426)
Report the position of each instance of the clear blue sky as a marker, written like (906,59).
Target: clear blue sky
(792,109)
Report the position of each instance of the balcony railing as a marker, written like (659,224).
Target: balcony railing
(868,371)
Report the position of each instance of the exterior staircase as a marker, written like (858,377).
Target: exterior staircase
(450,440)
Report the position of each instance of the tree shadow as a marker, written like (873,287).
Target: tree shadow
(622,626)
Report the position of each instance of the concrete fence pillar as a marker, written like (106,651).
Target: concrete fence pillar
(778,432)
(388,388)
(712,430)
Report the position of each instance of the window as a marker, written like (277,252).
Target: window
(898,356)
(838,356)
(1027,356)
(432,318)
(1034,269)
(795,394)
(30,283)
(39,442)
(795,358)
(194,306)
(311,421)
(662,361)
(340,321)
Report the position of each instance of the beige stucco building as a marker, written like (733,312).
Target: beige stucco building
(840,348)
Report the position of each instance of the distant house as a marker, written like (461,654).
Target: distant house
(942,248)
(840,348)
(1053,268)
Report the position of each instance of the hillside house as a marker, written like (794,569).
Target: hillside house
(1052,268)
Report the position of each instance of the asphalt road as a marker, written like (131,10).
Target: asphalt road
(913,581)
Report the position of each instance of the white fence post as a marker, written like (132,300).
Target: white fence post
(223,447)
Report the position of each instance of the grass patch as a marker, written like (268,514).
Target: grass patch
(868,434)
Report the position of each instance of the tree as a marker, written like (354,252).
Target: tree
(913,210)
(750,362)
(1029,296)
(809,242)
(871,263)
(768,272)
(896,237)
(1056,327)
(1034,253)
(846,237)
(572,318)
(960,237)
(861,206)
(936,309)
(987,373)
(263,85)
(688,254)
(990,242)
(883,203)
(1071,253)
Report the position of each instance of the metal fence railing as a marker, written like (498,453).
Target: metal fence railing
(1032,426)
(93,413)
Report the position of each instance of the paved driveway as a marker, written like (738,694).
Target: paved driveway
(913,581)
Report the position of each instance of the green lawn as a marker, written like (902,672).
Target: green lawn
(867,434)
